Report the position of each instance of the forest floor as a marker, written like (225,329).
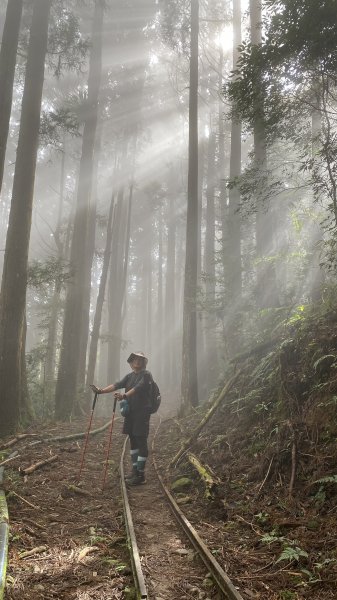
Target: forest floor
(270,521)
(66,541)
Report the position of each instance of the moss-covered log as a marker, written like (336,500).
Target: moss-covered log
(211,484)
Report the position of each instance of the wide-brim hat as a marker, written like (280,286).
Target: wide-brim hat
(134,355)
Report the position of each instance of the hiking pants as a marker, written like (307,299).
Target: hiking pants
(139,442)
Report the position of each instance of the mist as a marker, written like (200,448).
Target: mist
(109,133)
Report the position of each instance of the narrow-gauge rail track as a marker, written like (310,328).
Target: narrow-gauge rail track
(134,552)
(225,587)
(164,564)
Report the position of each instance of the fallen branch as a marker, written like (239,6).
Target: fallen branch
(18,437)
(77,436)
(65,438)
(266,477)
(4,462)
(210,484)
(37,550)
(25,501)
(193,437)
(38,465)
(35,524)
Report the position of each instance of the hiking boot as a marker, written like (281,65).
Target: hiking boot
(137,479)
(132,474)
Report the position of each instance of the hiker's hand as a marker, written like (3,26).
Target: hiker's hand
(96,389)
(119,396)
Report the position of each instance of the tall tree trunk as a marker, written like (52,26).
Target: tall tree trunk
(160,307)
(26,408)
(170,296)
(211,357)
(116,293)
(266,288)
(100,300)
(233,247)
(316,275)
(90,251)
(189,381)
(9,45)
(148,282)
(14,278)
(85,323)
(74,316)
(127,250)
(53,322)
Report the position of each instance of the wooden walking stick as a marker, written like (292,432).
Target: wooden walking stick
(87,436)
(109,444)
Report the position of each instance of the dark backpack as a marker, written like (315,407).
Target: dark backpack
(155,397)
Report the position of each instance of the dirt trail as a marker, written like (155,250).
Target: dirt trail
(173,570)
(69,543)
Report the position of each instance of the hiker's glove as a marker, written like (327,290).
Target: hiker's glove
(96,389)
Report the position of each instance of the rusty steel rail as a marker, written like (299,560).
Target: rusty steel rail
(132,542)
(221,579)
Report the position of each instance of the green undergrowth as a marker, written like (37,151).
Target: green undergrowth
(272,449)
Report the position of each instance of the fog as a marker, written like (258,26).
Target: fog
(114,131)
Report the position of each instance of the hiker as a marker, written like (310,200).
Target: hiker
(135,407)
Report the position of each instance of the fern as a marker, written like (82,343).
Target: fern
(292,553)
(327,479)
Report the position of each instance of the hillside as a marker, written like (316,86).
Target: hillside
(271,450)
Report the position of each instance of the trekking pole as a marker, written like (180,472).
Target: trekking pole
(109,443)
(87,436)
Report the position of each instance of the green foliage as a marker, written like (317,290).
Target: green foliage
(300,40)
(290,553)
(287,595)
(324,362)
(175,25)
(54,123)
(67,49)
(282,84)
(327,479)
(51,271)
(262,517)
(298,314)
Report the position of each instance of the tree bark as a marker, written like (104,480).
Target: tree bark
(266,285)
(189,382)
(170,295)
(55,306)
(116,291)
(14,278)
(211,355)
(74,316)
(233,245)
(160,304)
(90,251)
(9,45)
(100,301)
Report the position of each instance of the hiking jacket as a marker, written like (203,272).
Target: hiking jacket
(136,422)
